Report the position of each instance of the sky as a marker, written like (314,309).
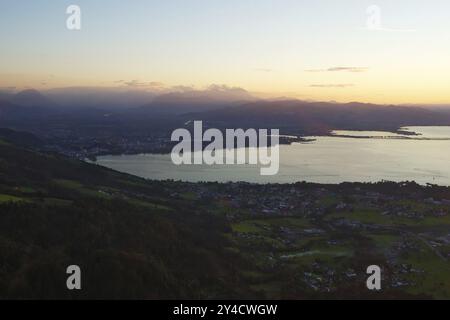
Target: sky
(317,49)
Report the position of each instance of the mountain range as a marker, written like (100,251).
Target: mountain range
(220,107)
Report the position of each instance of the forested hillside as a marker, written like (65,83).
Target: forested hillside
(128,239)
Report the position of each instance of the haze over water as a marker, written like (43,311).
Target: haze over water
(327,160)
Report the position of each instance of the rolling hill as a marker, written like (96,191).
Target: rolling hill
(130,239)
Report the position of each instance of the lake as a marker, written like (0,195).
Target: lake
(367,157)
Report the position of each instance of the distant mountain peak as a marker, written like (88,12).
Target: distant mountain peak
(32,98)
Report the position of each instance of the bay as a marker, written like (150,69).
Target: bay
(368,157)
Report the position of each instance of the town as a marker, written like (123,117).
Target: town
(324,236)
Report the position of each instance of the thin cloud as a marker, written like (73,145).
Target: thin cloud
(340,69)
(263,69)
(393,29)
(348,69)
(336,85)
(182,88)
(8,88)
(385,29)
(139,84)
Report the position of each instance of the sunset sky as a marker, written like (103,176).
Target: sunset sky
(316,49)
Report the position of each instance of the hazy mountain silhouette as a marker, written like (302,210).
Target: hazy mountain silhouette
(152,101)
(215,97)
(221,106)
(11,113)
(321,116)
(6,95)
(101,98)
(32,98)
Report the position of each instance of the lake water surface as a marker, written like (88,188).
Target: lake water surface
(384,156)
